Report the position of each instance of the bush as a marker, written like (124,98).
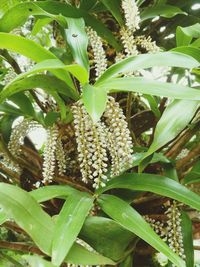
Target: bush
(114,87)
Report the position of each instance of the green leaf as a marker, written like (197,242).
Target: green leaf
(187,232)
(188,50)
(10,109)
(32,50)
(48,83)
(196,43)
(131,220)
(23,102)
(26,212)
(78,41)
(145,61)
(87,5)
(5,5)
(170,171)
(81,256)
(68,225)
(166,11)
(52,64)
(157,184)
(184,35)
(194,175)
(67,10)
(153,105)
(144,86)
(128,262)
(35,261)
(45,193)
(63,108)
(6,123)
(173,120)
(18,15)
(3,217)
(106,237)
(114,6)
(51,118)
(94,99)
(39,24)
(157,157)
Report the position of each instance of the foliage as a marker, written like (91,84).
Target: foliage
(115,87)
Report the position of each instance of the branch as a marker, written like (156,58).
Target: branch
(182,163)
(18,246)
(180,142)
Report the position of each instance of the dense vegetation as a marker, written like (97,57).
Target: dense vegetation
(113,86)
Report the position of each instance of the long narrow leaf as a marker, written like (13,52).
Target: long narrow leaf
(78,255)
(94,100)
(52,191)
(18,15)
(145,61)
(144,86)
(194,175)
(20,206)
(131,220)
(188,50)
(68,225)
(186,226)
(174,119)
(78,41)
(53,64)
(48,83)
(163,10)
(81,256)
(106,236)
(114,7)
(32,50)
(50,9)
(157,184)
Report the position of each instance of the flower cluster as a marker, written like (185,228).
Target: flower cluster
(128,42)
(91,142)
(53,151)
(131,42)
(131,14)
(157,226)
(147,44)
(60,157)
(120,143)
(99,53)
(96,142)
(17,136)
(174,230)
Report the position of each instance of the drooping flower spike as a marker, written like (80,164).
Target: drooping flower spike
(98,51)
(96,143)
(91,145)
(18,133)
(131,13)
(174,230)
(53,152)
